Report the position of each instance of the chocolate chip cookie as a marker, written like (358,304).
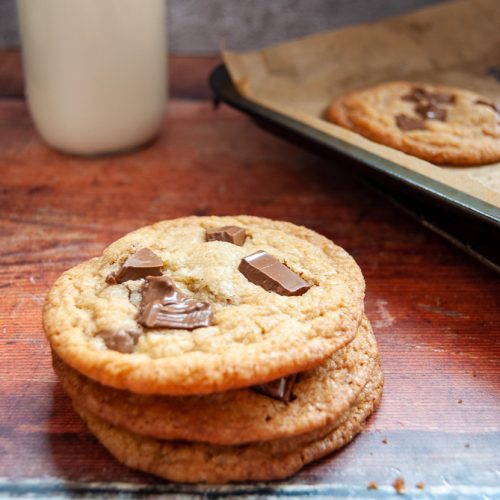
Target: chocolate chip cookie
(261,461)
(199,305)
(443,125)
(317,398)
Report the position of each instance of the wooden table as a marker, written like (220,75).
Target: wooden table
(434,310)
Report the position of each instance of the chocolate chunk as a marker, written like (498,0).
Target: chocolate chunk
(430,111)
(280,389)
(408,123)
(139,265)
(416,95)
(441,98)
(232,234)
(492,105)
(268,272)
(120,340)
(420,95)
(163,305)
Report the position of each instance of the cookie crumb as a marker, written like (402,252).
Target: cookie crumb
(399,485)
(385,440)
(420,486)
(372,485)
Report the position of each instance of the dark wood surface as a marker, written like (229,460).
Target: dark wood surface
(434,309)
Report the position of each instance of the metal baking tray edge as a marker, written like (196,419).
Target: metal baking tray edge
(435,204)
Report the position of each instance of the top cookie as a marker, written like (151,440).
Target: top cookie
(443,125)
(255,333)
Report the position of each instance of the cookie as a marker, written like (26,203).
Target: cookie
(443,125)
(196,462)
(226,328)
(321,395)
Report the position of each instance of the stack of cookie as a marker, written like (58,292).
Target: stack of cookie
(217,349)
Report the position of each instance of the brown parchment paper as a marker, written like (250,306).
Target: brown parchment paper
(457,43)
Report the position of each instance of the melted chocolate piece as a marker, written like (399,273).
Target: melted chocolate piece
(120,340)
(231,234)
(441,98)
(426,105)
(408,123)
(416,95)
(420,95)
(280,389)
(430,111)
(163,305)
(139,265)
(492,105)
(268,272)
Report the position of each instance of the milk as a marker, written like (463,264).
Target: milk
(95,71)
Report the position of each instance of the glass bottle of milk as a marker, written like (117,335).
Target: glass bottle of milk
(95,71)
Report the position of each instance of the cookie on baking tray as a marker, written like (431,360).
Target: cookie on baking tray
(318,398)
(261,461)
(440,124)
(205,304)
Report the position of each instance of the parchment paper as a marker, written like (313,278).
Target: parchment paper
(457,43)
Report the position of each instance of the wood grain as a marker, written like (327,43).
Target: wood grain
(434,310)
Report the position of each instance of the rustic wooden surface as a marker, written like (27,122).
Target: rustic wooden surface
(434,309)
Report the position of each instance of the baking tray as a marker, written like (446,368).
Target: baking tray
(470,223)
